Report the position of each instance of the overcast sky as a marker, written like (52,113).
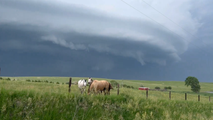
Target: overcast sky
(118,39)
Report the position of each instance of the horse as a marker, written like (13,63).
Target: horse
(99,86)
(90,80)
(82,85)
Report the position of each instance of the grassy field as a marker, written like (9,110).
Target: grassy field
(20,99)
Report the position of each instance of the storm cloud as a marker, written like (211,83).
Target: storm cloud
(94,37)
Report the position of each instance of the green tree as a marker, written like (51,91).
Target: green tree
(193,82)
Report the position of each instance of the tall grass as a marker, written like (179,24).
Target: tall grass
(52,106)
(33,100)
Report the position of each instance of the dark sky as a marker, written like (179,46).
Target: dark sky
(107,39)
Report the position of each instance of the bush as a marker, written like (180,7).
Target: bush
(8,79)
(157,87)
(114,83)
(28,80)
(1,78)
(57,83)
(169,87)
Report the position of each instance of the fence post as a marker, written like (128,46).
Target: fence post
(198,97)
(185,96)
(118,90)
(146,94)
(209,98)
(70,82)
(170,95)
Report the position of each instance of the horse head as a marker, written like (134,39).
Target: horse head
(90,80)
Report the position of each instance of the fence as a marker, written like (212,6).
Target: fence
(147,92)
(170,95)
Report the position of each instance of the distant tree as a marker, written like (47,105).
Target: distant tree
(193,82)
(157,87)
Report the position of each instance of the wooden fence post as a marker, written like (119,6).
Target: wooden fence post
(70,82)
(146,94)
(198,97)
(118,90)
(185,96)
(170,95)
(209,98)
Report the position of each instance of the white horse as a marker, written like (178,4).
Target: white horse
(82,85)
(90,80)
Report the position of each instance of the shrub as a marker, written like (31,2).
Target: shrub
(124,85)
(8,79)
(168,87)
(1,78)
(157,87)
(57,83)
(36,81)
(28,80)
(114,83)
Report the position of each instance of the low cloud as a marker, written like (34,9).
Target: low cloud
(134,37)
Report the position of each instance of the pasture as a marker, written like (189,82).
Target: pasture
(20,99)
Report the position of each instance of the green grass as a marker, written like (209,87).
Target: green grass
(39,100)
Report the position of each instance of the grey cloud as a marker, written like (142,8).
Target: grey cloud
(85,21)
(73,40)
